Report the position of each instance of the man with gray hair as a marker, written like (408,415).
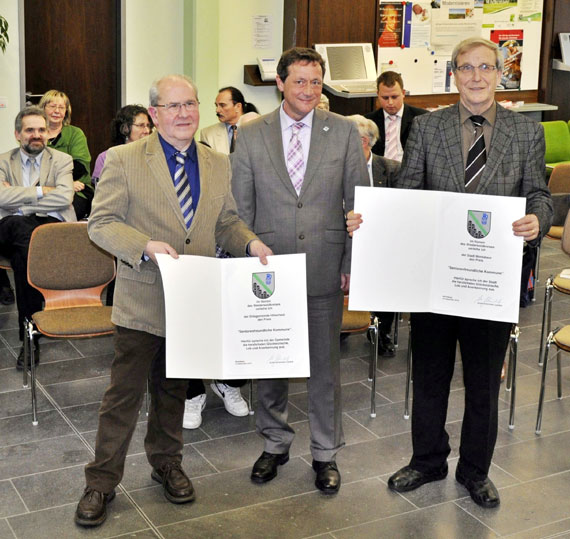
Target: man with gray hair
(147,203)
(36,187)
(475,146)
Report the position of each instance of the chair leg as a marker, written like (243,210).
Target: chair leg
(29,338)
(147,397)
(512,376)
(26,355)
(546,318)
(549,340)
(250,398)
(558,374)
(536,268)
(374,332)
(408,374)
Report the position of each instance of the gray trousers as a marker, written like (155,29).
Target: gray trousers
(139,356)
(325,413)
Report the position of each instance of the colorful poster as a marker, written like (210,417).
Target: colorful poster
(510,44)
(494,6)
(391,23)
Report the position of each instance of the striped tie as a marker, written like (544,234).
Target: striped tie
(477,156)
(295,162)
(392,150)
(182,187)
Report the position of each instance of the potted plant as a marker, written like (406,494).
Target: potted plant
(4,39)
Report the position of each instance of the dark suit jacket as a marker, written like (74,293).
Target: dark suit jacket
(515,161)
(407,117)
(384,171)
(313,222)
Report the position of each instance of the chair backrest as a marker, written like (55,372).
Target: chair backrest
(67,267)
(559,181)
(557,136)
(566,235)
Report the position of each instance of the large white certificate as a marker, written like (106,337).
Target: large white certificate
(435,251)
(235,318)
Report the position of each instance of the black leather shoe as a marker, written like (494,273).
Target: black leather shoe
(407,478)
(328,476)
(20,360)
(386,347)
(483,493)
(265,467)
(177,487)
(92,508)
(7,296)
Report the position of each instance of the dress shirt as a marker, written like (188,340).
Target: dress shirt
(190,165)
(387,121)
(369,167)
(304,134)
(27,174)
(468,131)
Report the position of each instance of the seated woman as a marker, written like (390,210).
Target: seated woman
(71,140)
(131,123)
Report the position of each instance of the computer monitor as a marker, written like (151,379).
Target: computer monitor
(348,62)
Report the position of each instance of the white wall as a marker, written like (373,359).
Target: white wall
(9,76)
(154,34)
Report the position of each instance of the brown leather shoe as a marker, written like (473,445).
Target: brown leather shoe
(328,476)
(177,487)
(92,507)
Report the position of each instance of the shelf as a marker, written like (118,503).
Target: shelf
(252,77)
(557,64)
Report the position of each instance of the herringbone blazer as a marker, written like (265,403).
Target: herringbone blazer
(313,222)
(135,201)
(515,161)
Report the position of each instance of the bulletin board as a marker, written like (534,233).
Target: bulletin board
(416,40)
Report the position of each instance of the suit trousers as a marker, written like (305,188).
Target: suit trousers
(15,234)
(139,356)
(324,402)
(483,345)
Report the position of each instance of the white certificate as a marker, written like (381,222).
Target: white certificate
(435,251)
(235,318)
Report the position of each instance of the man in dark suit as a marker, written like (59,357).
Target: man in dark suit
(382,173)
(393,118)
(475,146)
(294,171)
(162,194)
(36,187)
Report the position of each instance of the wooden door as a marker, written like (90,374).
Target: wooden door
(74,46)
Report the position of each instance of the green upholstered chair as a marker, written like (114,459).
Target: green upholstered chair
(557,135)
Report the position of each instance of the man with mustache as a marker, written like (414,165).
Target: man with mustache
(36,187)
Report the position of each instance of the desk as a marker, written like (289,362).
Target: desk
(534,110)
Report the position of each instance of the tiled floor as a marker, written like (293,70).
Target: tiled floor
(41,468)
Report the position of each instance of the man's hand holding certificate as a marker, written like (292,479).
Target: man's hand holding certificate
(450,253)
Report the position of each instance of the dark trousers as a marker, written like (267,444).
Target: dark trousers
(385,320)
(138,357)
(483,345)
(4,279)
(196,386)
(15,234)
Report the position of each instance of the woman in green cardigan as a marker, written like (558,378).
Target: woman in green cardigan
(71,140)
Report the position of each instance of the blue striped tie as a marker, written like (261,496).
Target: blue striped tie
(182,187)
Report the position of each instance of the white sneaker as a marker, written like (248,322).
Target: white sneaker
(233,401)
(193,411)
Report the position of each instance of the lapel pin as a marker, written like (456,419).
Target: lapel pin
(325,129)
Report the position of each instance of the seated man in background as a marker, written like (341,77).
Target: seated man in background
(382,172)
(36,187)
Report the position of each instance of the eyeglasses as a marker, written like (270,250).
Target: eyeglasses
(53,106)
(468,69)
(143,126)
(175,108)
(302,83)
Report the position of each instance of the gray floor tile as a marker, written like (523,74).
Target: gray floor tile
(19,402)
(74,369)
(297,516)
(19,430)
(10,502)
(5,531)
(7,358)
(78,391)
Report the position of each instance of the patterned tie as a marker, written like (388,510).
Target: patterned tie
(182,187)
(391,151)
(234,135)
(34,171)
(477,156)
(295,160)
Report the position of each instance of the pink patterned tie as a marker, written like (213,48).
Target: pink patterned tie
(391,151)
(295,160)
